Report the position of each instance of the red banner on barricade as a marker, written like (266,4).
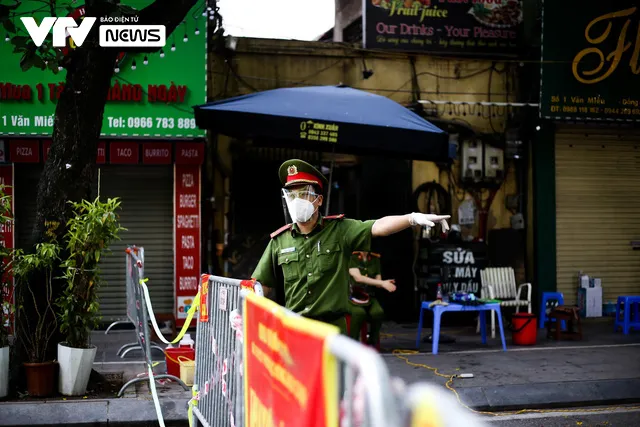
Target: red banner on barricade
(290,377)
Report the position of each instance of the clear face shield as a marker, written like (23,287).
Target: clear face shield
(300,202)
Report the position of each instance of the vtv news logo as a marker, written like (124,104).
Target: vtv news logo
(110,35)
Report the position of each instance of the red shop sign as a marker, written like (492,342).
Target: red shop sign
(7,236)
(25,151)
(156,153)
(189,153)
(101,157)
(187,238)
(46,146)
(124,153)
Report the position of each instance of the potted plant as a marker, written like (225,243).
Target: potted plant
(6,291)
(89,233)
(36,320)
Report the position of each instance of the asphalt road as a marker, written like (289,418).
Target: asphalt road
(575,418)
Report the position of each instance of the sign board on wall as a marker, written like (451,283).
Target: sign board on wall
(590,61)
(460,265)
(475,27)
(187,237)
(7,235)
(150,95)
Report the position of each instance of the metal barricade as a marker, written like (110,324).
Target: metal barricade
(218,378)
(365,377)
(137,311)
(131,287)
(369,396)
(430,405)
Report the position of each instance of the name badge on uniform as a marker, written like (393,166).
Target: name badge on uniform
(287,250)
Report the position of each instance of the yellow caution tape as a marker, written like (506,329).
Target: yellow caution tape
(187,322)
(193,402)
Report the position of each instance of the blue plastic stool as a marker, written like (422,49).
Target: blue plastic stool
(547,297)
(627,322)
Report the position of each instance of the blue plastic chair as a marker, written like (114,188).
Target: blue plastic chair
(546,298)
(630,319)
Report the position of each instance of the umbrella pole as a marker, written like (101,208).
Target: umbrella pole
(333,158)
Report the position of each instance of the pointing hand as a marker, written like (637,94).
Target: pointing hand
(429,220)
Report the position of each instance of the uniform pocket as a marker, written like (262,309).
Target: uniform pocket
(290,266)
(329,256)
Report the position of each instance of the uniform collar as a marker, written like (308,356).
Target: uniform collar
(319,226)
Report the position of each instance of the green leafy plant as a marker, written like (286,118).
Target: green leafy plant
(6,285)
(90,231)
(35,334)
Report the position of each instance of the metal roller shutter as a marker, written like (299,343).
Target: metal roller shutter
(598,210)
(146,212)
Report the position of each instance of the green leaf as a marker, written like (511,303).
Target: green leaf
(127,10)
(53,66)
(9,26)
(20,40)
(38,62)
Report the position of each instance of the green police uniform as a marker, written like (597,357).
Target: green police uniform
(371,311)
(313,268)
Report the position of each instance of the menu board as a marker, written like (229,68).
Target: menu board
(594,72)
(475,27)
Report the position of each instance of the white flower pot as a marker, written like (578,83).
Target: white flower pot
(4,371)
(75,369)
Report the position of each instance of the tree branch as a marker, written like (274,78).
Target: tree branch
(169,13)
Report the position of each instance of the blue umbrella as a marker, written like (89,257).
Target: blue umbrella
(327,118)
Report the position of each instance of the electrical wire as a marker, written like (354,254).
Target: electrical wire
(402,355)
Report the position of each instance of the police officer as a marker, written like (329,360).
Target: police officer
(307,262)
(366,275)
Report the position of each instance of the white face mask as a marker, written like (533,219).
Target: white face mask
(300,210)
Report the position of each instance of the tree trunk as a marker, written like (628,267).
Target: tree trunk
(71,162)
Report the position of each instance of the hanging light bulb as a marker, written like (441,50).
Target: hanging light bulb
(133,65)
(117,69)
(145,61)
(197,31)
(211,17)
(173,47)
(204,13)
(6,38)
(209,8)
(185,38)
(59,68)
(161,53)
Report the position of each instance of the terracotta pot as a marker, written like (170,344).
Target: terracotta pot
(40,378)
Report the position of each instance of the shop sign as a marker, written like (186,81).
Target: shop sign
(100,158)
(187,238)
(7,236)
(189,153)
(150,95)
(127,153)
(591,62)
(156,153)
(25,151)
(288,352)
(460,265)
(474,27)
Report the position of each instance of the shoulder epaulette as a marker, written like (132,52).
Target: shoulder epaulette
(338,217)
(375,254)
(281,229)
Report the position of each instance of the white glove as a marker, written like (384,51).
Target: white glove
(429,220)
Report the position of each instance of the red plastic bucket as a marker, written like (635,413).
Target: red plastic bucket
(525,330)
(171,356)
